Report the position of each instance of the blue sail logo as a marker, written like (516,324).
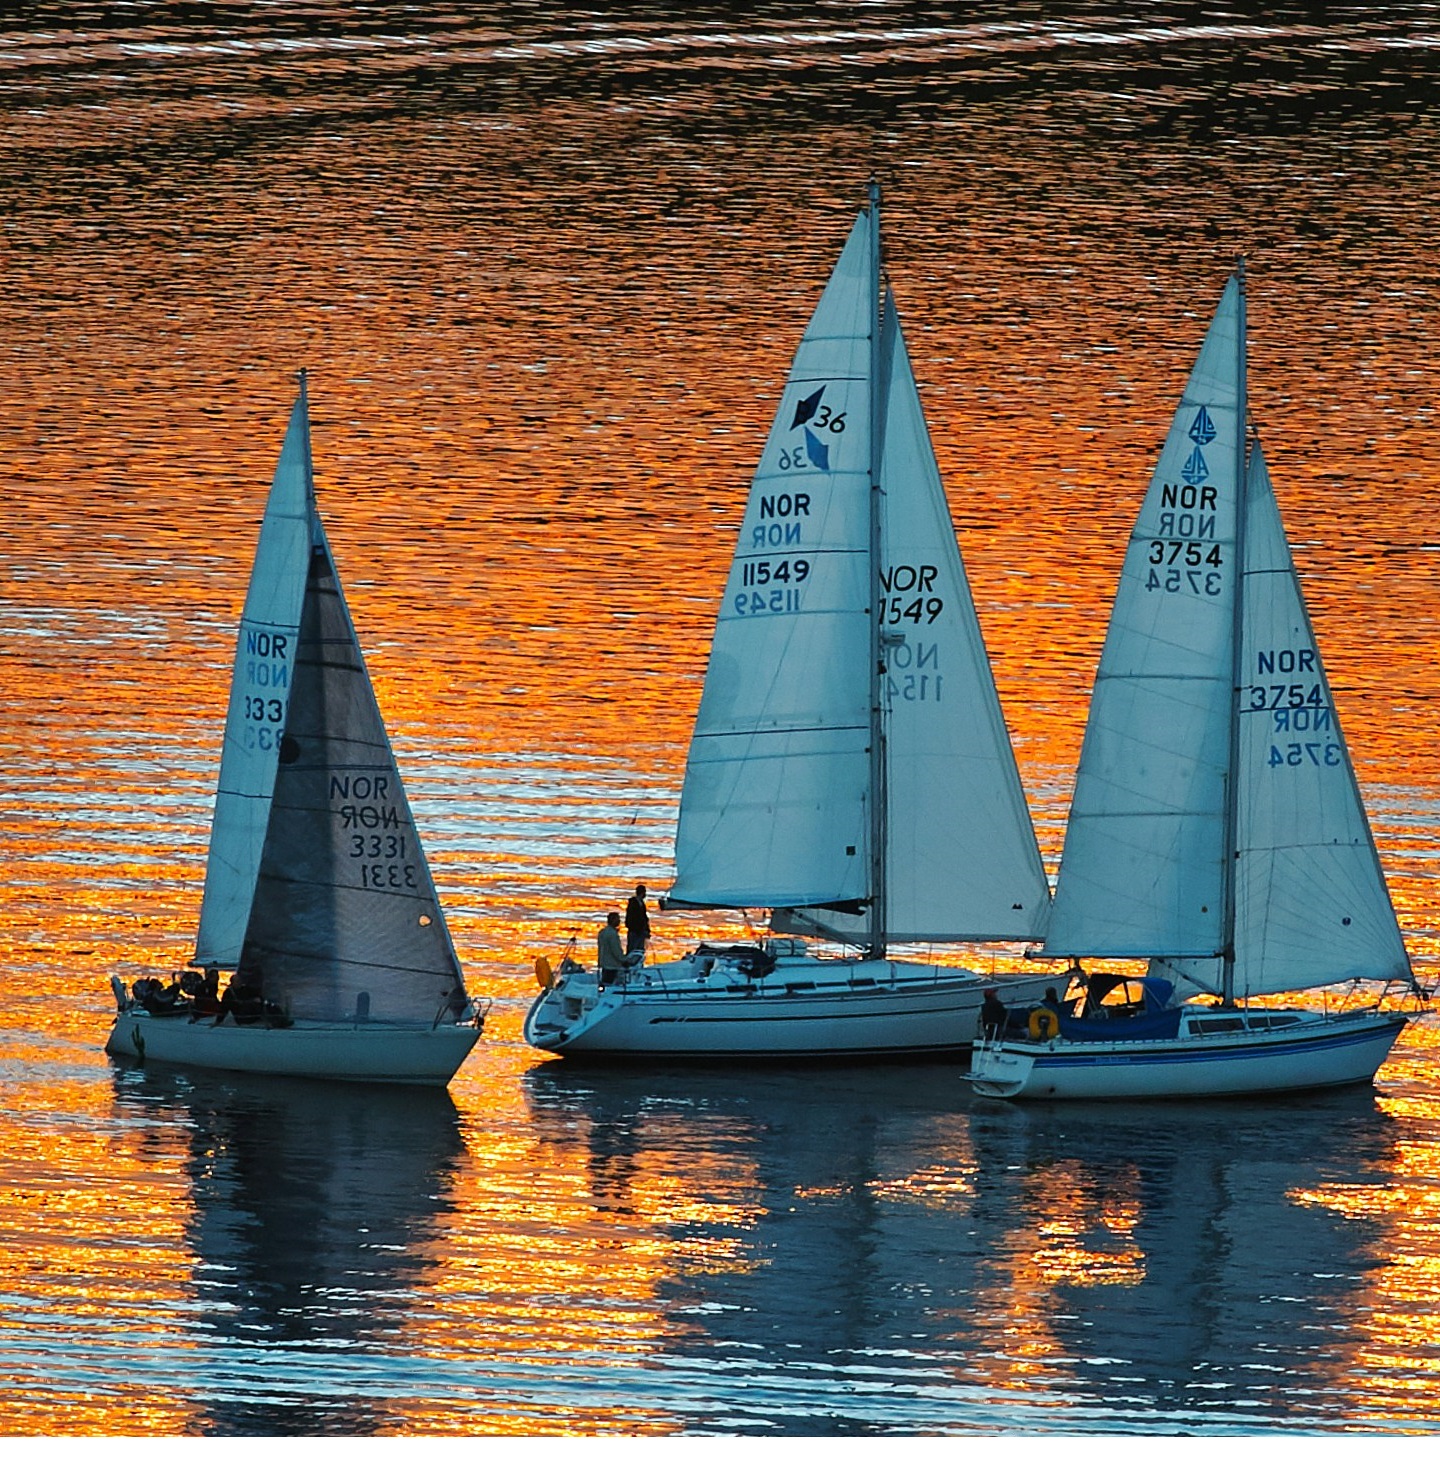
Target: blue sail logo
(819,454)
(1202,431)
(807,408)
(1196,470)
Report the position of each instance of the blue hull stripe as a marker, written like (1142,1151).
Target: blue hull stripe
(1169,1054)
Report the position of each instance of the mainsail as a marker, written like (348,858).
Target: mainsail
(1141,872)
(774,805)
(259,697)
(778,805)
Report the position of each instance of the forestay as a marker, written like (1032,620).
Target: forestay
(774,805)
(345,906)
(1311,902)
(1142,870)
(259,697)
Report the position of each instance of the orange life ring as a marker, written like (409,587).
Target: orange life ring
(544,975)
(1044,1024)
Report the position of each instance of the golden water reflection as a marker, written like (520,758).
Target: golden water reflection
(547,275)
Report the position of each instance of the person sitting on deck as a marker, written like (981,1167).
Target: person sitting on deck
(993,1014)
(207,995)
(158,999)
(1044,1023)
(244,998)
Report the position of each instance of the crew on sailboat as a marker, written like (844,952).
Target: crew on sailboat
(610,959)
(207,995)
(637,925)
(244,999)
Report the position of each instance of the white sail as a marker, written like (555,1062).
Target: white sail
(259,697)
(345,906)
(774,808)
(1142,869)
(962,860)
(1312,907)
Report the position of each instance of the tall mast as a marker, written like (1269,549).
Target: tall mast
(875,944)
(1237,653)
(303,377)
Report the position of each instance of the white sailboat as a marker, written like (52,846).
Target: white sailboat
(1216,828)
(850,769)
(317,890)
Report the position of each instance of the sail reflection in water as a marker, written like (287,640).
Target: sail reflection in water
(317,1212)
(997,1267)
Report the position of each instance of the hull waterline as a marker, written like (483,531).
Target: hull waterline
(372,1052)
(803,1009)
(1287,1051)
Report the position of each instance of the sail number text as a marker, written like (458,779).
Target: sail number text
(756,573)
(1184,565)
(264,722)
(267,667)
(268,711)
(1295,709)
(914,606)
(1185,557)
(783,579)
(1311,753)
(911,610)
(377,829)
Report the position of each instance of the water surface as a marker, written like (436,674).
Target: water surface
(546,270)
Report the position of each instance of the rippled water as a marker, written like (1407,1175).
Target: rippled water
(546,271)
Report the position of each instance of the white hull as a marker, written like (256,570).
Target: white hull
(1269,1051)
(805,1007)
(371,1052)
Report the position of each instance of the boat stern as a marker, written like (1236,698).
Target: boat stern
(565,1009)
(999,1071)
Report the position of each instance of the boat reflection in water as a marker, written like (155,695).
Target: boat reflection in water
(867,1233)
(316,1212)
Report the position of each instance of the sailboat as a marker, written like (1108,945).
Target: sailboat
(318,896)
(850,769)
(1216,828)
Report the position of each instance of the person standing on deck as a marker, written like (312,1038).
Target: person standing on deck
(609,957)
(637,924)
